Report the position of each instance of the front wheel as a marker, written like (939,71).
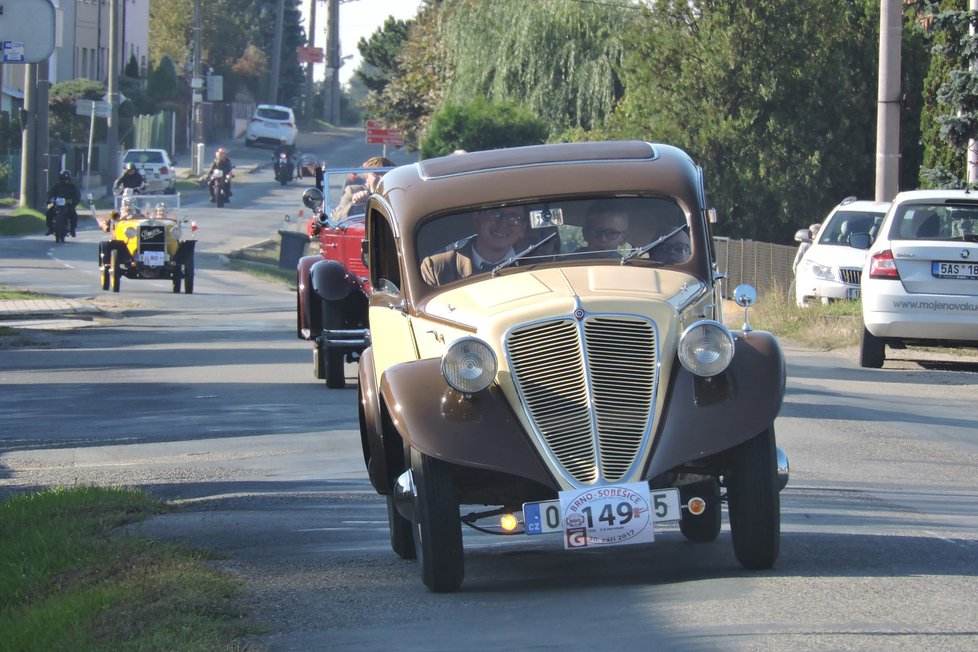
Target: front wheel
(115,270)
(753,501)
(188,275)
(402,532)
(872,351)
(332,359)
(437,527)
(219,194)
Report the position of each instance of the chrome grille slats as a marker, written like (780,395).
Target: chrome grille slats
(851,275)
(592,413)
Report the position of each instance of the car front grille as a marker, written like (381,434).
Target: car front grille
(851,275)
(589,390)
(152,237)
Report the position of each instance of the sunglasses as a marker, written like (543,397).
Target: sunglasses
(603,234)
(513,219)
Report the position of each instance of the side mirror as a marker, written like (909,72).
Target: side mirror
(860,240)
(803,235)
(745,296)
(364,248)
(313,198)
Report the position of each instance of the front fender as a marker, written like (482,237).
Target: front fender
(707,416)
(383,450)
(480,431)
(331,281)
(308,322)
(185,251)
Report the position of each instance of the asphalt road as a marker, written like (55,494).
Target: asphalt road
(208,400)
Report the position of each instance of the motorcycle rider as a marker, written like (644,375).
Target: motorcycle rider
(223,163)
(130,178)
(64,188)
(288,150)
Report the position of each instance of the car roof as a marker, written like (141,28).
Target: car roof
(274,106)
(936,194)
(863,205)
(523,174)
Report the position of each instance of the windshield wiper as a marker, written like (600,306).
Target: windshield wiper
(652,245)
(529,250)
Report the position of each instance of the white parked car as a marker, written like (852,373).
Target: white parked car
(920,280)
(830,268)
(271,124)
(156,167)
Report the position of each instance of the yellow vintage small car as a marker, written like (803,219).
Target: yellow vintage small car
(548,358)
(147,243)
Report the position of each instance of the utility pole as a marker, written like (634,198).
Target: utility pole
(332,107)
(112,162)
(973,144)
(195,95)
(42,148)
(310,81)
(276,53)
(28,180)
(888,101)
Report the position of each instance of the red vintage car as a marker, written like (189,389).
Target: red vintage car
(332,287)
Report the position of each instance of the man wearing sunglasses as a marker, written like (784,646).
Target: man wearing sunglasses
(496,231)
(605,229)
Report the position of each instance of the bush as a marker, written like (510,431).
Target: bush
(481,125)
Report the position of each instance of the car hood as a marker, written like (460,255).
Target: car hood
(836,255)
(492,306)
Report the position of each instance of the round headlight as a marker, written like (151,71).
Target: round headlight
(130,232)
(176,233)
(706,348)
(468,365)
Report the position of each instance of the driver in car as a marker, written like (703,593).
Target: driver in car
(497,230)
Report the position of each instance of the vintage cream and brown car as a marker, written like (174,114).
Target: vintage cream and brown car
(548,357)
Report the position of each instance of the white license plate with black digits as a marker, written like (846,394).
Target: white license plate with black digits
(947,269)
(608,514)
(852,293)
(153,258)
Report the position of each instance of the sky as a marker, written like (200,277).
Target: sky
(358,19)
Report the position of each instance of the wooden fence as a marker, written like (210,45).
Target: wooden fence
(764,265)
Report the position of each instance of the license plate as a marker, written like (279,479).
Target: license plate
(603,516)
(967,271)
(153,258)
(852,293)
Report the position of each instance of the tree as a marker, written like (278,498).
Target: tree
(132,68)
(776,99)
(950,118)
(62,98)
(480,125)
(162,83)
(380,53)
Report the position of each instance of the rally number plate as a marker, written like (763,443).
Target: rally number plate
(603,516)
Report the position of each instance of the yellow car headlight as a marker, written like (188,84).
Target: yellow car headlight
(468,365)
(706,348)
(176,233)
(130,232)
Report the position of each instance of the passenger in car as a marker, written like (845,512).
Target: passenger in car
(674,250)
(354,199)
(497,230)
(605,229)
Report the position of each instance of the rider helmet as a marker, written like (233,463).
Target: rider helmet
(131,166)
(65,175)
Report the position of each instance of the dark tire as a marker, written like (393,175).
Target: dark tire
(60,226)
(705,527)
(332,359)
(219,194)
(753,501)
(437,527)
(103,263)
(402,532)
(188,275)
(177,279)
(106,277)
(114,270)
(872,351)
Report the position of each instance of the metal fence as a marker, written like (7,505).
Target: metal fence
(764,265)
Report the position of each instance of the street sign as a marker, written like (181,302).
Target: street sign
(84,107)
(309,54)
(26,30)
(377,134)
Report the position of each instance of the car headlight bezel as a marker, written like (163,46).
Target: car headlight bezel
(131,232)
(706,348)
(469,365)
(820,271)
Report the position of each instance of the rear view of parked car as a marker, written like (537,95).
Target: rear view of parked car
(271,124)
(920,280)
(155,166)
(830,269)
(547,358)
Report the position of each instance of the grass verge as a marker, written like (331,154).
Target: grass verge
(73,578)
(824,327)
(23,221)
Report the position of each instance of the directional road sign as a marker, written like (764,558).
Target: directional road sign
(377,134)
(84,107)
(309,54)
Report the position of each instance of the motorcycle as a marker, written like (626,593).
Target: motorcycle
(220,187)
(284,168)
(60,218)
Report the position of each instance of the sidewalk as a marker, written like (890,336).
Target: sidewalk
(46,314)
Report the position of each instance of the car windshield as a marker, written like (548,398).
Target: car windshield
(595,230)
(143,157)
(937,221)
(845,223)
(273,114)
(340,184)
